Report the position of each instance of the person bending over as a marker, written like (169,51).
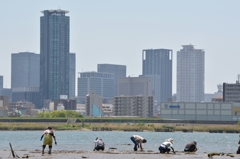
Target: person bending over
(48,135)
(138,140)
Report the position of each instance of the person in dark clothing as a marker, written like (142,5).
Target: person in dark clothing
(99,145)
(191,147)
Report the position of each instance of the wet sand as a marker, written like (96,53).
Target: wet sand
(108,154)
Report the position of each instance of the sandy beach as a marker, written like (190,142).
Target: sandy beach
(108,154)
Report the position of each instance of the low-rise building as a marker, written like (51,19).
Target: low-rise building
(3,111)
(231,92)
(107,109)
(21,107)
(69,104)
(200,111)
(81,108)
(93,105)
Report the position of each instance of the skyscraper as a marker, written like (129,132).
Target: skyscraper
(159,62)
(119,71)
(25,73)
(97,82)
(190,74)
(25,69)
(72,75)
(54,54)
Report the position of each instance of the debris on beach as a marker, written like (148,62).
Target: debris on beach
(219,154)
(84,157)
(112,148)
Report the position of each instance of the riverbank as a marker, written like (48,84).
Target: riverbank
(107,155)
(136,127)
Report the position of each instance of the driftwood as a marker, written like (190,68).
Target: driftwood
(13,153)
(219,154)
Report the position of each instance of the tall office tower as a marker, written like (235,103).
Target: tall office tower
(118,71)
(97,82)
(54,55)
(25,69)
(25,73)
(72,75)
(159,62)
(190,74)
(1,82)
(132,86)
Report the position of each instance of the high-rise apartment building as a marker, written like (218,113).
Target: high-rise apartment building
(190,74)
(54,54)
(98,82)
(119,71)
(25,72)
(159,62)
(141,106)
(132,86)
(72,75)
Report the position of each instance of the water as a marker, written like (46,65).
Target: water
(83,140)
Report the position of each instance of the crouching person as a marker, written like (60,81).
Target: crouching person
(165,146)
(191,147)
(99,145)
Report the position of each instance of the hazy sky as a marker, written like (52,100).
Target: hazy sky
(116,32)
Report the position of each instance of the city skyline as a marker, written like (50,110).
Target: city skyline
(117,32)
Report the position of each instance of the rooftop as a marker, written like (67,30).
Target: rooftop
(56,10)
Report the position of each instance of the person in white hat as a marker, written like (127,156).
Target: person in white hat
(165,146)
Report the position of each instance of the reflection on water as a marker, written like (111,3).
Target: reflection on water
(83,140)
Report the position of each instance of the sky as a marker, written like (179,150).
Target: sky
(116,32)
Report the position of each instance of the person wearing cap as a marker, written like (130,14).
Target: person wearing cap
(165,146)
(48,134)
(99,144)
(191,147)
(138,140)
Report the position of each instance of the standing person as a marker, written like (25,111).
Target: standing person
(165,146)
(48,135)
(138,140)
(191,147)
(99,144)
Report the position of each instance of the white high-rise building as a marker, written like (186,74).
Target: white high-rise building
(190,74)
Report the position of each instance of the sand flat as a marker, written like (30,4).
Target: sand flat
(62,154)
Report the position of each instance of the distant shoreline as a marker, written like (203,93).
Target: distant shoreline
(134,127)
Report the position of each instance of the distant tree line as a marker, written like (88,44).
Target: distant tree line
(60,114)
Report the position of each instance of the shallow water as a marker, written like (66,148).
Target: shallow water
(83,140)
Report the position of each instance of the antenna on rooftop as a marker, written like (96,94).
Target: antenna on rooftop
(238,77)
(59,7)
